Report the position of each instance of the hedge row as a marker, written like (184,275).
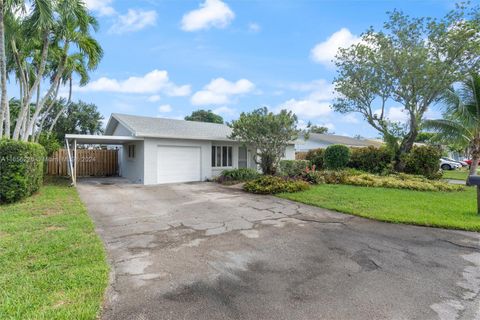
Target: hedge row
(21,169)
(422,160)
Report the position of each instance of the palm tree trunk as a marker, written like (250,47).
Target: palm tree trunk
(3,70)
(70,86)
(29,91)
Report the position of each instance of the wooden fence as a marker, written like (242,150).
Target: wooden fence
(90,163)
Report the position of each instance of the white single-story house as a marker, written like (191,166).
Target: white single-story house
(317,140)
(158,150)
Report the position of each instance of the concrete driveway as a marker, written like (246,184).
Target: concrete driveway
(203,251)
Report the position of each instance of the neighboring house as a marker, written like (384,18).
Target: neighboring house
(317,140)
(158,150)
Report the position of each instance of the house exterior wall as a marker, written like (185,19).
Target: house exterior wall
(133,168)
(151,157)
(143,168)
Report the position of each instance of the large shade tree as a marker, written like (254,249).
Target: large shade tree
(408,64)
(461,122)
(204,116)
(267,134)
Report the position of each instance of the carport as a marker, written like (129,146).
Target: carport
(73,140)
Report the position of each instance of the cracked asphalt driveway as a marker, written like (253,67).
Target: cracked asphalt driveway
(203,251)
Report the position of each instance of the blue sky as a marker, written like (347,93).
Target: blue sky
(168,58)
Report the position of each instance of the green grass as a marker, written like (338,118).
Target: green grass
(460,174)
(452,210)
(52,264)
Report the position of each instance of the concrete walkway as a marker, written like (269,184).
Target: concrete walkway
(202,251)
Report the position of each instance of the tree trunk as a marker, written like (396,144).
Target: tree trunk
(29,91)
(405,147)
(3,70)
(70,87)
(7,122)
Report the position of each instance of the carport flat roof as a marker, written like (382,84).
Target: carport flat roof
(93,139)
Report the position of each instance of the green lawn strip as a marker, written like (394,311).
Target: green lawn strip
(52,264)
(452,210)
(455,174)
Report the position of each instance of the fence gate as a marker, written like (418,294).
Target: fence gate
(90,163)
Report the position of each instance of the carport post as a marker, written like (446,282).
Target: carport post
(70,162)
(75,159)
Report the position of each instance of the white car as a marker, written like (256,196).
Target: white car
(462,163)
(446,164)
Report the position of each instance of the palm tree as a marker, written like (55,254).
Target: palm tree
(461,123)
(7,7)
(71,29)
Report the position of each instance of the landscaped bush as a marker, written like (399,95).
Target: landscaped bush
(315,156)
(293,168)
(400,182)
(301,155)
(275,184)
(336,156)
(371,159)
(21,169)
(423,160)
(241,174)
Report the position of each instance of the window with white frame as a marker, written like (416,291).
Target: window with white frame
(131,151)
(222,156)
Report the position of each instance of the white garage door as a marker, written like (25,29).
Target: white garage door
(178,164)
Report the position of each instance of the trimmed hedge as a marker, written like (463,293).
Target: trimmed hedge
(234,175)
(336,156)
(315,156)
(371,159)
(21,169)
(293,168)
(423,160)
(275,184)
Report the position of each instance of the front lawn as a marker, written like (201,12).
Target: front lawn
(52,264)
(453,210)
(460,174)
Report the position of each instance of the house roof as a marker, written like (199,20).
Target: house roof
(153,127)
(348,141)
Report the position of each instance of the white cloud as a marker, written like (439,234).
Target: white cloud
(134,20)
(153,82)
(212,13)
(307,108)
(102,7)
(319,89)
(395,114)
(324,52)
(219,91)
(154,98)
(225,111)
(165,108)
(254,27)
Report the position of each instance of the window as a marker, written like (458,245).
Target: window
(222,156)
(131,151)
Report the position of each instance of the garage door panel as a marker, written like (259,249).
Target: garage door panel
(178,164)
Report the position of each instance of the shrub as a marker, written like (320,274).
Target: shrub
(400,182)
(275,184)
(293,168)
(315,156)
(21,169)
(371,159)
(336,156)
(301,155)
(49,142)
(423,160)
(241,174)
